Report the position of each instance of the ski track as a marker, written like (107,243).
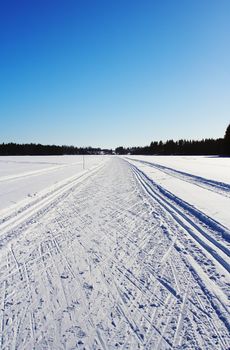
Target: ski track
(211,185)
(33,173)
(113,262)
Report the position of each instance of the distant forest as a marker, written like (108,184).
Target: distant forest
(11,149)
(220,146)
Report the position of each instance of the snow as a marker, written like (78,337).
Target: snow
(210,167)
(120,255)
(23,177)
(212,199)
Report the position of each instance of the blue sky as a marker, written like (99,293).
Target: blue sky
(109,73)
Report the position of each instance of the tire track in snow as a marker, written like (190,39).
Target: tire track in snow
(35,172)
(152,189)
(9,226)
(211,185)
(113,263)
(217,249)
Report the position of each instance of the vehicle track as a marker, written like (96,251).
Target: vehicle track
(213,248)
(211,185)
(35,172)
(10,223)
(181,211)
(107,267)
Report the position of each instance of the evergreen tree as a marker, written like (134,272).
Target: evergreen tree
(227,141)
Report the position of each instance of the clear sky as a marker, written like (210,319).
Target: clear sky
(113,72)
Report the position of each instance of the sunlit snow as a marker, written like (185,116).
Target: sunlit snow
(116,253)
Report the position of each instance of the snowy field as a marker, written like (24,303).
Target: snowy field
(128,253)
(23,177)
(203,182)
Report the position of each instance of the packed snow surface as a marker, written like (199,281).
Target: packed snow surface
(125,253)
(23,177)
(203,182)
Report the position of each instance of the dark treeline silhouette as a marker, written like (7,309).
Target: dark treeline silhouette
(181,147)
(220,146)
(227,141)
(8,149)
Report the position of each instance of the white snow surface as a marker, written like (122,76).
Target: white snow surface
(24,177)
(124,254)
(203,182)
(210,167)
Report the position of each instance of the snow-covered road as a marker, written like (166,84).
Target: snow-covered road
(113,260)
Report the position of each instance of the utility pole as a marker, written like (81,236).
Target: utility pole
(83,161)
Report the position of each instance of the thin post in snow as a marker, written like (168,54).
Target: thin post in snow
(83,161)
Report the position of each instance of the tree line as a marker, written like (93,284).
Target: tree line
(9,149)
(220,146)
